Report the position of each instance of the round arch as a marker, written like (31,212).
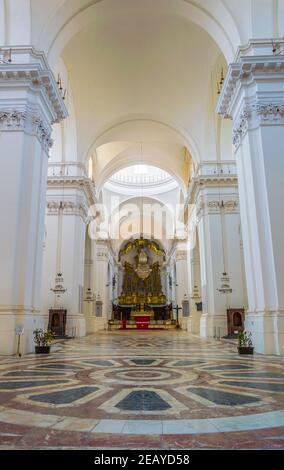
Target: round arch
(130,128)
(120,164)
(71,18)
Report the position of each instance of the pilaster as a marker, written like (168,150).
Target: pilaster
(30,103)
(253,97)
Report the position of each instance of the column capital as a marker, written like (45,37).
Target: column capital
(30,100)
(68,182)
(68,207)
(255,81)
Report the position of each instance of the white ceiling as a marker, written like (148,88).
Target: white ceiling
(129,64)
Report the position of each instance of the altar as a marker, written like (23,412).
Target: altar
(141,302)
(142,317)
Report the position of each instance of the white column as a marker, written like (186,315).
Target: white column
(101,284)
(29,103)
(220,252)
(65,250)
(194,284)
(182,287)
(253,95)
(89,283)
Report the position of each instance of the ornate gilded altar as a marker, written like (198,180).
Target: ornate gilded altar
(141,291)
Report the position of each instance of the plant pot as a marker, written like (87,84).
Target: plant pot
(42,349)
(245,350)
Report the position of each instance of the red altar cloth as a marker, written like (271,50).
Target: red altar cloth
(142,322)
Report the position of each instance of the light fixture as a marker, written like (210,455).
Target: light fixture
(59,288)
(5,56)
(220,82)
(89,296)
(59,84)
(225,279)
(195,293)
(225,284)
(143,269)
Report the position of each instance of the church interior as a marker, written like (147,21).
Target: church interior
(141,241)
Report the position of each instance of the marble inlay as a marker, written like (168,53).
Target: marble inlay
(29,384)
(219,397)
(141,400)
(227,367)
(168,389)
(64,396)
(143,362)
(188,363)
(59,366)
(30,373)
(270,387)
(101,363)
(256,375)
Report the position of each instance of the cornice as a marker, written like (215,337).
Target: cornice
(75,182)
(248,70)
(29,68)
(210,181)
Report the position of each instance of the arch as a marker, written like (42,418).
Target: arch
(119,164)
(71,18)
(131,126)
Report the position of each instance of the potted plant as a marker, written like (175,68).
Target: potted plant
(43,340)
(245,343)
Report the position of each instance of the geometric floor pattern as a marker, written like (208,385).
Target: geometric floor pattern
(167,390)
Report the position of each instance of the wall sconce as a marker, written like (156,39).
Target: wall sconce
(220,83)
(59,84)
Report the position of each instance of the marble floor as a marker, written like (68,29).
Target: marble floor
(142,390)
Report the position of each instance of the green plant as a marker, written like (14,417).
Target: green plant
(244,339)
(43,338)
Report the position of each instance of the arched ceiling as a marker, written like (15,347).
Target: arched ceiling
(64,18)
(127,63)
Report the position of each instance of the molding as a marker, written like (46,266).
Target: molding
(210,181)
(29,69)
(205,206)
(74,182)
(270,112)
(256,115)
(181,255)
(68,208)
(27,121)
(249,70)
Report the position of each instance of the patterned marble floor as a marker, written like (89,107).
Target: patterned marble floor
(145,389)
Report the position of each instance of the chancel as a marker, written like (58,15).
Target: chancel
(141,186)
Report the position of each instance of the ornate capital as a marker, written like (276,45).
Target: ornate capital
(29,122)
(241,127)
(12,120)
(42,133)
(67,208)
(255,115)
(181,255)
(270,112)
